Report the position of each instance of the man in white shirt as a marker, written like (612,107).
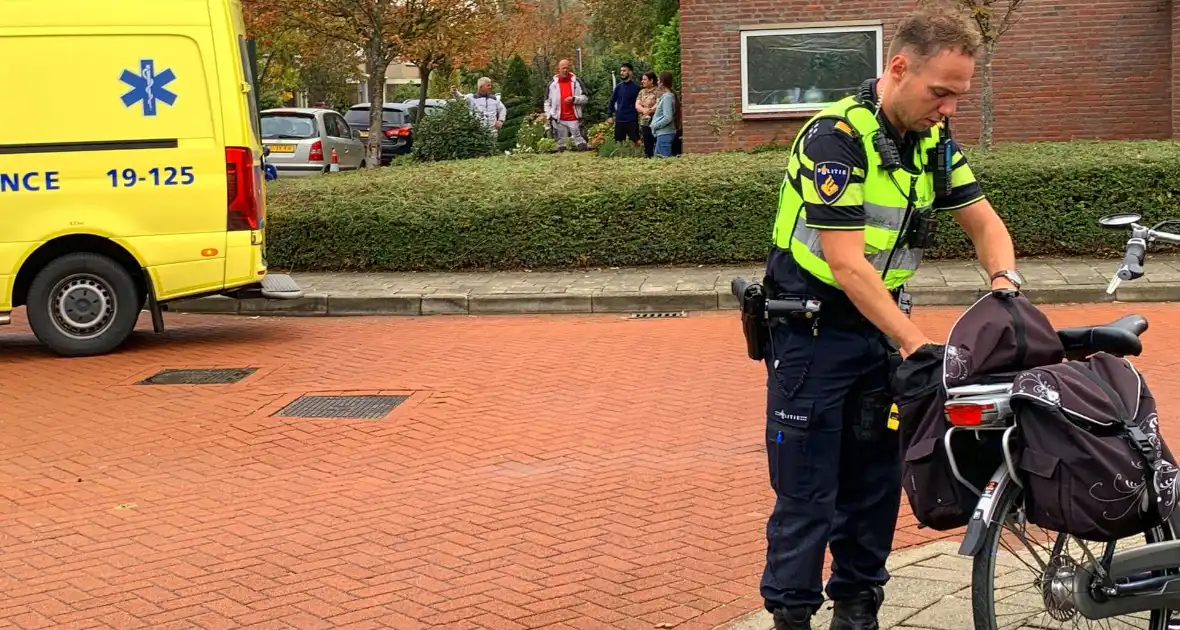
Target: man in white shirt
(486,105)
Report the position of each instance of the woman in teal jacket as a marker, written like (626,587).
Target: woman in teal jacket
(665,122)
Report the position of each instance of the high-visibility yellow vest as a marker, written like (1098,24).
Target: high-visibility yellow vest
(885,199)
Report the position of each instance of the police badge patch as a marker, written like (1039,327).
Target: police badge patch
(831,180)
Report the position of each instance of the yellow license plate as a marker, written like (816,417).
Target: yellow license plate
(282,148)
(365,134)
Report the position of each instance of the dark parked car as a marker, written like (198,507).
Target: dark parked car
(397,131)
(433,105)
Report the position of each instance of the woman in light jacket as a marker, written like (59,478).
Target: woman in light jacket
(665,122)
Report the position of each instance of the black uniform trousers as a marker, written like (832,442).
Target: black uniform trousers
(835,466)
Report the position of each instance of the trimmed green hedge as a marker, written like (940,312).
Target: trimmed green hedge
(552,211)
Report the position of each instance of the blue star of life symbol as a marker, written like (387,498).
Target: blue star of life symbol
(147,87)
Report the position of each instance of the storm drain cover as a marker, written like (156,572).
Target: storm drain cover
(198,377)
(665,315)
(341,406)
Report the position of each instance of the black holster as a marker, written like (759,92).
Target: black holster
(754,324)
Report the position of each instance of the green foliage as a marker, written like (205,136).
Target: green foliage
(269,100)
(455,133)
(404,159)
(533,130)
(665,50)
(665,10)
(441,84)
(517,108)
(495,70)
(597,134)
(552,211)
(402,92)
(1052,194)
(326,77)
(614,148)
(517,96)
(542,74)
(627,24)
(518,83)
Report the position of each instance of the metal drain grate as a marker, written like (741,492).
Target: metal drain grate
(666,315)
(341,407)
(198,377)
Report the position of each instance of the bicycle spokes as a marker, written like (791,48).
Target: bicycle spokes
(1036,575)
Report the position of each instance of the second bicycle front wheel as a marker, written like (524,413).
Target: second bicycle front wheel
(1023,576)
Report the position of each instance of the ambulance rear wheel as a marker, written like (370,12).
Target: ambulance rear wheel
(83,304)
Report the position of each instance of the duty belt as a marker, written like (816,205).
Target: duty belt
(847,315)
(760,313)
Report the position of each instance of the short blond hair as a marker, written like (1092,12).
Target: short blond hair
(936,27)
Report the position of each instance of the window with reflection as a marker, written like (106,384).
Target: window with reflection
(801,69)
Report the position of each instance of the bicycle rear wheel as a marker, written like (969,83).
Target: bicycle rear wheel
(1022,579)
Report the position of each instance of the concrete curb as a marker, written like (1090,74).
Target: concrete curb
(631,302)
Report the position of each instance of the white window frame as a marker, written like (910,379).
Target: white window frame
(859,27)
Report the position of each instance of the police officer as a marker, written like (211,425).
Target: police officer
(864,180)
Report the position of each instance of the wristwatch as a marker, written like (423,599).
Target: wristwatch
(1011,275)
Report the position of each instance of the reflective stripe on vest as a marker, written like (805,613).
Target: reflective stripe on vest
(885,200)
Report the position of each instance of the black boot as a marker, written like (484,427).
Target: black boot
(792,619)
(859,612)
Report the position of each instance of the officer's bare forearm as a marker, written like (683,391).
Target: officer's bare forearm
(989,235)
(862,283)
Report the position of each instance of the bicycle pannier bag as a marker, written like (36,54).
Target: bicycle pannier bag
(1092,459)
(997,337)
(938,499)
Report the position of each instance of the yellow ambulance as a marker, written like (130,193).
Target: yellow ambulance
(131,165)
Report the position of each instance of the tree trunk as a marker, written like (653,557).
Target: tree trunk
(987,107)
(375,63)
(424,72)
(265,69)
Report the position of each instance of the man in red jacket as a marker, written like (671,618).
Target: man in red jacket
(564,99)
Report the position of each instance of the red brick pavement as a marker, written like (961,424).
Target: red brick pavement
(568,472)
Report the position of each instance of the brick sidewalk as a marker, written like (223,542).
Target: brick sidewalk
(665,289)
(545,472)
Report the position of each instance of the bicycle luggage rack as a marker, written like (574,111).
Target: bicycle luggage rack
(984,392)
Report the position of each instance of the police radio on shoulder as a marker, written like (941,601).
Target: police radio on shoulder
(939,158)
(941,164)
(890,155)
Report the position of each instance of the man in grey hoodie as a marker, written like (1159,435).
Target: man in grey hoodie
(486,106)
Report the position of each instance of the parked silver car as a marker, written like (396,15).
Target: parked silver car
(301,141)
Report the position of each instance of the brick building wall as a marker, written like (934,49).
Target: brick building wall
(1068,69)
(1176,69)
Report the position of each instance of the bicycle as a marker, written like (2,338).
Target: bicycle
(1142,580)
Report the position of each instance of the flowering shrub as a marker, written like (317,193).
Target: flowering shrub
(532,131)
(598,134)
